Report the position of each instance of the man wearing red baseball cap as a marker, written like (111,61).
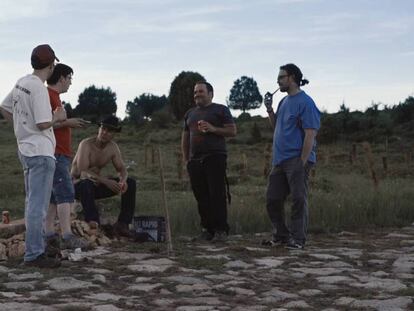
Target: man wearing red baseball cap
(28,107)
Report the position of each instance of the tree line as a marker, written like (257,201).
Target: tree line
(96,102)
(372,124)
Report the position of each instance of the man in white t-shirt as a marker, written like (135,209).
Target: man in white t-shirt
(28,107)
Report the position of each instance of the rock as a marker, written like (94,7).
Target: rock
(299,304)
(388,285)
(13,228)
(334,279)
(152,265)
(216,257)
(192,288)
(25,276)
(104,297)
(68,283)
(10,294)
(189,280)
(144,287)
(241,291)
(319,271)
(310,292)
(278,295)
(404,264)
(105,308)
(269,262)
(195,308)
(3,252)
(23,306)
(324,256)
(20,285)
(16,249)
(99,278)
(237,264)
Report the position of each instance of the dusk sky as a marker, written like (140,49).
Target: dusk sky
(357,52)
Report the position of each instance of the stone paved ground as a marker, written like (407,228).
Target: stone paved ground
(348,271)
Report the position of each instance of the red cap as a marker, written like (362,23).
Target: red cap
(43,56)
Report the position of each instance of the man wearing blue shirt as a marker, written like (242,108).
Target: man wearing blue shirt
(295,123)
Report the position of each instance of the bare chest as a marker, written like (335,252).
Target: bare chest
(99,158)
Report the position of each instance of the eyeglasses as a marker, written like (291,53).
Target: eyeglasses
(282,77)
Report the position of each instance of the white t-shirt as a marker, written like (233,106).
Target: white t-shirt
(29,103)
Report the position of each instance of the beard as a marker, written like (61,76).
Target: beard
(284,88)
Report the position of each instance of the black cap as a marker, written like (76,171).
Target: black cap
(111,123)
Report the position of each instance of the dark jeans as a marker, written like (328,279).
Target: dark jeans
(291,176)
(87,191)
(207,177)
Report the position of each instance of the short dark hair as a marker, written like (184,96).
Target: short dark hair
(293,70)
(208,86)
(61,70)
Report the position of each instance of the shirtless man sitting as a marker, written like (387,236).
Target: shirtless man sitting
(93,154)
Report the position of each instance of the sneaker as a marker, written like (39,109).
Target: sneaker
(53,246)
(121,229)
(43,262)
(292,244)
(220,236)
(274,242)
(204,235)
(74,242)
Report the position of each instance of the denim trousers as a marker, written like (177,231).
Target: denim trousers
(38,180)
(87,192)
(290,177)
(207,177)
(63,190)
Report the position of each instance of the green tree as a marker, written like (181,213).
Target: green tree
(68,108)
(96,102)
(181,97)
(144,106)
(244,95)
(404,112)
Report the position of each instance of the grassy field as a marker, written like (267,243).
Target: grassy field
(342,194)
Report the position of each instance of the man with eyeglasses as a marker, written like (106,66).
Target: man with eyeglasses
(296,123)
(28,107)
(63,193)
(93,154)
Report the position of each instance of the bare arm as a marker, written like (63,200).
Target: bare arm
(58,115)
(81,161)
(119,165)
(308,142)
(72,123)
(7,115)
(272,119)
(185,145)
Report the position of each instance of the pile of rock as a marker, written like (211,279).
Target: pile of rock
(12,237)
(12,247)
(90,232)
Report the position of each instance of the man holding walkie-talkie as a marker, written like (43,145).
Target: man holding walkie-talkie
(295,122)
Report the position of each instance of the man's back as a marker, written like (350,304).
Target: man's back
(29,103)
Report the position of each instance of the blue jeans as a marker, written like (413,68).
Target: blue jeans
(63,190)
(38,180)
(291,176)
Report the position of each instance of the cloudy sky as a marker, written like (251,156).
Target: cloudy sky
(355,51)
